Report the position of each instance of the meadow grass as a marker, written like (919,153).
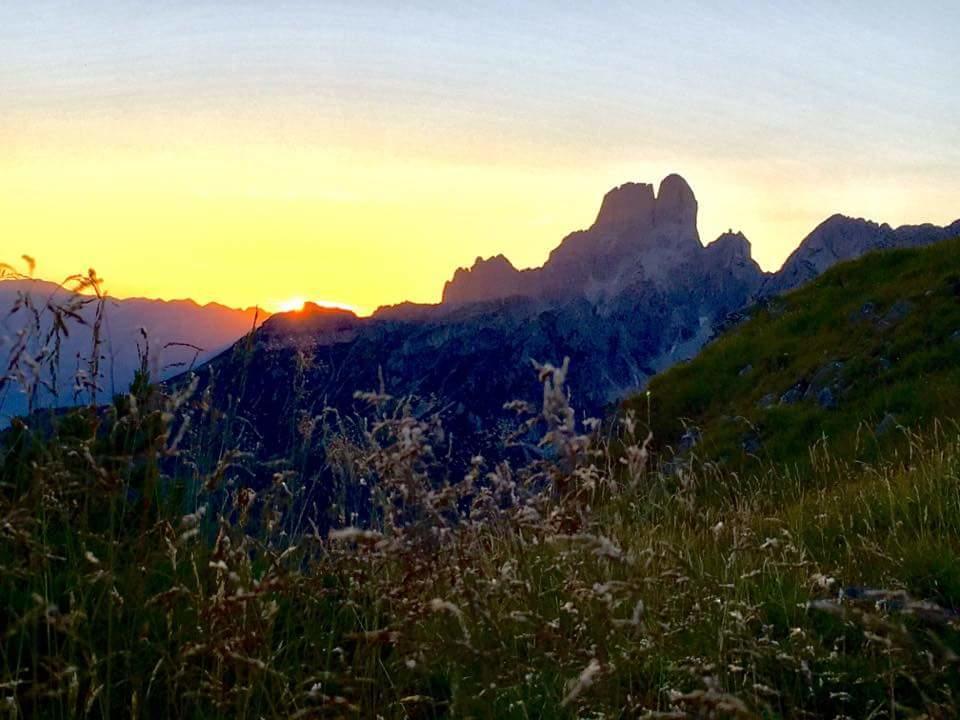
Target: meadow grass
(144,574)
(590,584)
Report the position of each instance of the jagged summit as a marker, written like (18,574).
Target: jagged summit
(731,245)
(493,277)
(676,204)
(634,205)
(839,238)
(637,234)
(629,204)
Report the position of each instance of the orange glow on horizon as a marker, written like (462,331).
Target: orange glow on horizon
(297,303)
(178,211)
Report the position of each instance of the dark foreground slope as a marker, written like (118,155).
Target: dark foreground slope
(869,348)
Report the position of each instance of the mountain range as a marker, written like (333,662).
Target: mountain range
(179,334)
(628,297)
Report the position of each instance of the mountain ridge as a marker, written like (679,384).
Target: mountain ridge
(625,299)
(180,333)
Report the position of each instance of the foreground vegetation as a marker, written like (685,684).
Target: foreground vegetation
(146,570)
(585,585)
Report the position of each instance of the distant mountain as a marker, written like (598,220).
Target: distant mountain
(841,238)
(624,299)
(210,328)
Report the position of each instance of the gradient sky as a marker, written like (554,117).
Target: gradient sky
(358,152)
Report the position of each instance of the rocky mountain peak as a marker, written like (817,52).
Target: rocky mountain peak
(730,246)
(493,277)
(676,204)
(637,234)
(630,204)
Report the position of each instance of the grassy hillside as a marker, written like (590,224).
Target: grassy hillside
(871,347)
(143,576)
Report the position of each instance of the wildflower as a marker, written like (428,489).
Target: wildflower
(823,581)
(351,534)
(192,520)
(438,605)
(587,677)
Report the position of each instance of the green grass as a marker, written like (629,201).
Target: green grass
(142,578)
(892,319)
(681,598)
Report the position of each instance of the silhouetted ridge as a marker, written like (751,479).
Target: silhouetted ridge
(323,324)
(493,277)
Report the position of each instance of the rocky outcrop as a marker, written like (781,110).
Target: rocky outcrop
(637,237)
(840,238)
(629,205)
(494,277)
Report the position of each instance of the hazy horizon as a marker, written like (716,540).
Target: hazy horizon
(360,154)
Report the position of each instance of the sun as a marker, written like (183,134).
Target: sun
(296,304)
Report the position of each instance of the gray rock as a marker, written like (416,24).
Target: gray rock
(897,312)
(792,396)
(767,401)
(888,423)
(826,399)
(751,443)
(825,376)
(745,370)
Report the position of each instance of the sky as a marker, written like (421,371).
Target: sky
(359,152)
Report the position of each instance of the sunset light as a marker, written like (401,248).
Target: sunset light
(425,359)
(343,141)
(296,304)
